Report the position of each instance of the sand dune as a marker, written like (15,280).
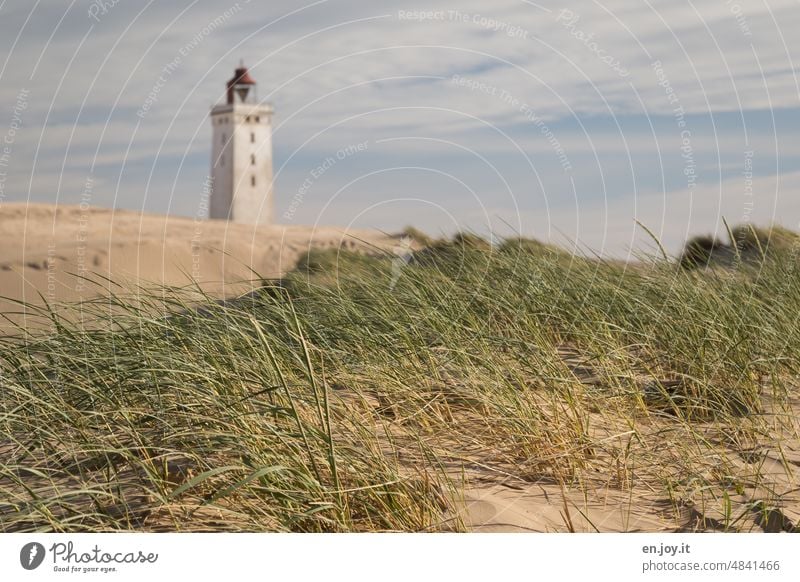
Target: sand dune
(51,249)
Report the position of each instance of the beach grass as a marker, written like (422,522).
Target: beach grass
(372,392)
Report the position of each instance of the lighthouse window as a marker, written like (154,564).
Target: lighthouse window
(258,119)
(222,161)
(223,138)
(252,138)
(252,159)
(252,180)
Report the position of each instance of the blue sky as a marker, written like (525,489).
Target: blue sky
(567,124)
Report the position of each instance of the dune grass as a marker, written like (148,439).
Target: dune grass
(367,393)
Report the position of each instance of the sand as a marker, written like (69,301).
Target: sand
(51,250)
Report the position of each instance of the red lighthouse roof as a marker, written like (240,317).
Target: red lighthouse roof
(240,83)
(242,77)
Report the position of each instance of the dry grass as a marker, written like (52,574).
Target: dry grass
(373,394)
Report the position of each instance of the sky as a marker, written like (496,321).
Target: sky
(587,124)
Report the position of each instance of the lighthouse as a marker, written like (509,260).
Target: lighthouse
(241,154)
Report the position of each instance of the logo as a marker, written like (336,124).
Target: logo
(31,555)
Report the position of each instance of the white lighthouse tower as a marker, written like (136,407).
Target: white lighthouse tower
(241,158)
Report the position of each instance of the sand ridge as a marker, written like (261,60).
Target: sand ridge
(50,249)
